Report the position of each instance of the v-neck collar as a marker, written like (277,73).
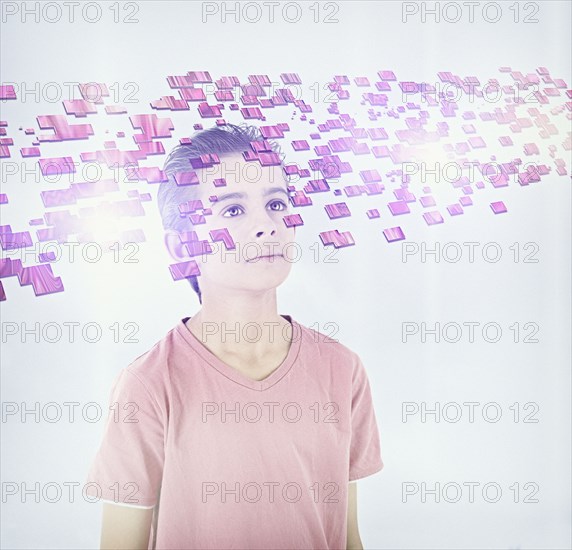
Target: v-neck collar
(232,373)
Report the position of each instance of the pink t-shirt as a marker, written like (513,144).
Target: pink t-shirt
(233,462)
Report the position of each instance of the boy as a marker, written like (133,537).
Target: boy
(241,428)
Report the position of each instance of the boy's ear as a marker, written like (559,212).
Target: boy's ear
(176,248)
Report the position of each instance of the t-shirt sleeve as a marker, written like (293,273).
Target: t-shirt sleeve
(365,450)
(128,466)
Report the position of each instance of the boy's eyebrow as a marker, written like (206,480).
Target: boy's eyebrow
(236,195)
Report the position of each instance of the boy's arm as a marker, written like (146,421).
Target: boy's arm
(125,527)
(353,538)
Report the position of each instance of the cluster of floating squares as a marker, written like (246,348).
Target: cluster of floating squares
(249,100)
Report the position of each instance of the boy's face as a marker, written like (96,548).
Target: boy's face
(254,220)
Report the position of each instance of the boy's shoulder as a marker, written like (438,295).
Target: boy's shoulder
(325,340)
(150,365)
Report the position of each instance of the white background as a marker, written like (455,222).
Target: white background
(369,293)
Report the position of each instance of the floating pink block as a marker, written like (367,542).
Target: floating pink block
(225,95)
(47,257)
(152,125)
(252,113)
(171,103)
(150,174)
(339,240)
(41,278)
(433,218)
(466,201)
(498,207)
(404,195)
(300,145)
(291,169)
(455,209)
(63,131)
(531,149)
(151,148)
(79,107)
(530,176)
(271,132)
(293,220)
(224,236)
(30,152)
(182,270)
(398,207)
(300,199)
(386,75)
(477,142)
(427,201)
(260,146)
(94,92)
(115,110)
(376,134)
(208,111)
(58,197)
(7,92)
(190,207)
(373,188)
(338,210)
(393,234)
(353,190)
(498,180)
(186,178)
(57,166)
(322,150)
(269,159)
(205,161)
(180,81)
(505,141)
(373,213)
(198,248)
(197,219)
(316,186)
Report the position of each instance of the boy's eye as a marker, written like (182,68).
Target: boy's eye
(230,209)
(281,204)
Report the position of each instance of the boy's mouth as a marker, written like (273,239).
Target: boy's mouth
(265,257)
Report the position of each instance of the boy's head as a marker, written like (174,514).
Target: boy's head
(254,219)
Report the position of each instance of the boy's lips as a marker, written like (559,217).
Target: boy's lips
(265,257)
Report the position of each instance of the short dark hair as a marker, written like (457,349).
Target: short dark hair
(221,140)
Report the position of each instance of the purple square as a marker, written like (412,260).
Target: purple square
(398,207)
(393,234)
(433,218)
(427,201)
(455,209)
(498,207)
